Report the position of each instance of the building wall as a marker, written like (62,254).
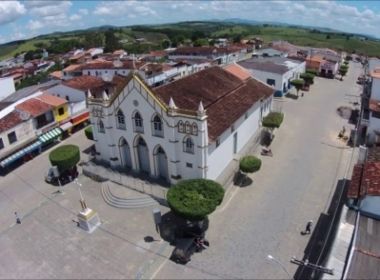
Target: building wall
(107,144)
(374,125)
(111,72)
(263,76)
(245,128)
(68,93)
(7,87)
(57,117)
(375,91)
(25,134)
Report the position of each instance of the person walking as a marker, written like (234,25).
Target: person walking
(18,220)
(308,227)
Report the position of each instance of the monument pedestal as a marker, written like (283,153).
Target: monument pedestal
(88,220)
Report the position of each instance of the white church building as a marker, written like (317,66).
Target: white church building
(190,128)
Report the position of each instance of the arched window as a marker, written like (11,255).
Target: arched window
(120,119)
(195,129)
(180,127)
(157,126)
(138,122)
(188,145)
(100,126)
(188,127)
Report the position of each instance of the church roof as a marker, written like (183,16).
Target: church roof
(225,97)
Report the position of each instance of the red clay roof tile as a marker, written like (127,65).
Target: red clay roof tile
(10,120)
(34,107)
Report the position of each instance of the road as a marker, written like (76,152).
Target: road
(293,186)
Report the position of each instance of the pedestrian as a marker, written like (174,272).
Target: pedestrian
(18,221)
(302,93)
(308,227)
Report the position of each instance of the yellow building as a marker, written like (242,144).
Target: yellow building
(60,107)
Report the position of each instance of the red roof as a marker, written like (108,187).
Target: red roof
(225,96)
(96,84)
(9,121)
(365,180)
(52,100)
(34,107)
(238,71)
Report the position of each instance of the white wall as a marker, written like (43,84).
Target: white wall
(374,124)
(25,133)
(219,157)
(263,76)
(7,87)
(375,92)
(64,91)
(111,72)
(172,143)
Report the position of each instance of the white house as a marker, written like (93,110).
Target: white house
(275,71)
(371,119)
(190,128)
(7,87)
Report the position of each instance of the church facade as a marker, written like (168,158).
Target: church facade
(191,128)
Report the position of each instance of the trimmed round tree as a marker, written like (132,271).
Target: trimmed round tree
(249,164)
(343,71)
(195,199)
(88,133)
(65,157)
(312,71)
(273,120)
(308,78)
(298,84)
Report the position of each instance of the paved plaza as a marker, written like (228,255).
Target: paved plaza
(292,187)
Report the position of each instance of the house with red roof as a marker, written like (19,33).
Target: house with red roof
(193,127)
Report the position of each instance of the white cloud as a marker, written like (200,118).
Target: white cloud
(74,17)
(35,24)
(10,11)
(128,8)
(83,12)
(49,8)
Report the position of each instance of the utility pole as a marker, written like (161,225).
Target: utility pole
(307,264)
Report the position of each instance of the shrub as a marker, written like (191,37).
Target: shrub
(346,62)
(312,71)
(88,133)
(308,77)
(250,164)
(65,157)
(195,199)
(273,120)
(298,84)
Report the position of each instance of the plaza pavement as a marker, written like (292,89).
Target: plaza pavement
(292,187)
(48,244)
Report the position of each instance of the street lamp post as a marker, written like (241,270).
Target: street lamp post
(273,259)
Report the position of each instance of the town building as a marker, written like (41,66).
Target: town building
(7,87)
(179,130)
(275,71)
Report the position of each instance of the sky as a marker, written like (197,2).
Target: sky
(26,18)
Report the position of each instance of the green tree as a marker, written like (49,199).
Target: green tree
(195,199)
(308,78)
(298,84)
(249,164)
(88,133)
(65,157)
(273,120)
(111,41)
(165,44)
(200,42)
(328,36)
(343,71)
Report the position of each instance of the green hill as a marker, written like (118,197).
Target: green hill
(181,32)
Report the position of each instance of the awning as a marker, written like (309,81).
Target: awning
(66,126)
(21,153)
(48,136)
(80,118)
